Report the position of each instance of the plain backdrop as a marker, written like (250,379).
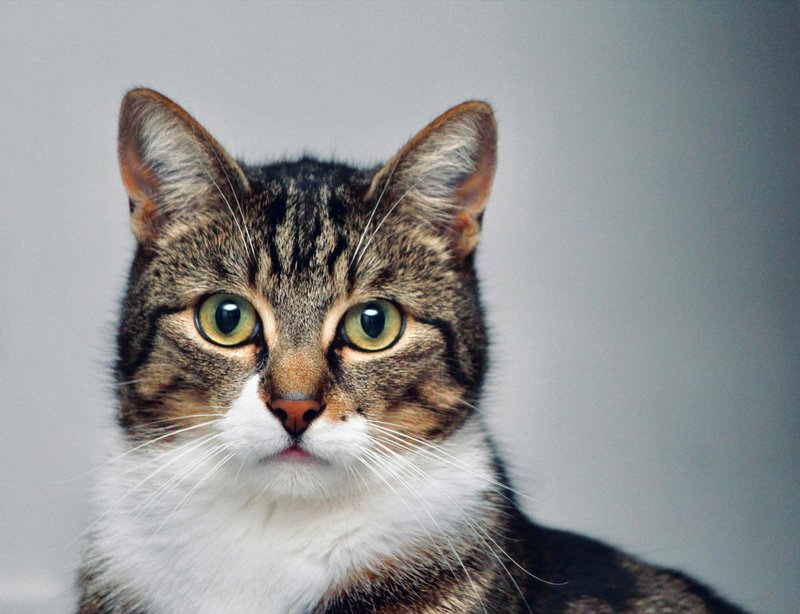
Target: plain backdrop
(640,255)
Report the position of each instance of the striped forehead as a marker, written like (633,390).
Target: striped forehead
(305,219)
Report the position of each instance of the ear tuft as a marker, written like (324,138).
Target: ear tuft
(444,174)
(169,163)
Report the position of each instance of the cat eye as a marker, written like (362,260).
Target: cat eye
(227,320)
(372,326)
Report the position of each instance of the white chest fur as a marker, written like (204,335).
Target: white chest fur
(213,546)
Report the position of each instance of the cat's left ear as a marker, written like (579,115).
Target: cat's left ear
(170,165)
(443,175)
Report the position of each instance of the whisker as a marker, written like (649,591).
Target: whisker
(195,487)
(435,451)
(236,199)
(392,208)
(176,452)
(470,523)
(238,471)
(476,528)
(470,405)
(164,488)
(444,558)
(374,209)
(146,426)
(130,382)
(239,227)
(139,447)
(191,445)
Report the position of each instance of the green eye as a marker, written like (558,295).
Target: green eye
(226,319)
(372,326)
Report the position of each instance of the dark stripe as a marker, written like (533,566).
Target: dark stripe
(276,214)
(134,412)
(334,362)
(313,240)
(336,252)
(129,368)
(220,270)
(176,384)
(304,244)
(337,209)
(452,362)
(274,258)
(351,276)
(252,270)
(384,277)
(297,242)
(261,357)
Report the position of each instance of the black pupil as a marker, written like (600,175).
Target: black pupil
(227,317)
(373,320)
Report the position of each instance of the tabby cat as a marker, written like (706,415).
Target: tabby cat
(299,365)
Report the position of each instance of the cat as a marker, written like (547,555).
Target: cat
(300,357)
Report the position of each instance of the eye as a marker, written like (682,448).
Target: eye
(226,319)
(372,326)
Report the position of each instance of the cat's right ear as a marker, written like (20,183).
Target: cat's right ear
(169,163)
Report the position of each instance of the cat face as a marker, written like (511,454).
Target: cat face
(300,323)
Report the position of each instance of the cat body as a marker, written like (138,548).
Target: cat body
(300,359)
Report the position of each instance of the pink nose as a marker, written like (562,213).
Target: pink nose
(295,416)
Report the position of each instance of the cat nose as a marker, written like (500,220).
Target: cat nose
(295,415)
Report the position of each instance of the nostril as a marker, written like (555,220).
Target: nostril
(312,413)
(279,413)
(295,414)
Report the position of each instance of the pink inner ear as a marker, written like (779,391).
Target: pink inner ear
(472,195)
(141,185)
(140,181)
(474,191)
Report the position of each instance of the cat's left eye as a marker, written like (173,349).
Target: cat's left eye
(227,320)
(372,326)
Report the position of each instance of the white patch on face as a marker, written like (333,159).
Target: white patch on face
(257,437)
(250,429)
(264,535)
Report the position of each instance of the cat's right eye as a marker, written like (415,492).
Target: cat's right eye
(227,320)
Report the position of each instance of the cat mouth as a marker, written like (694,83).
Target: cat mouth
(295,452)
(292,453)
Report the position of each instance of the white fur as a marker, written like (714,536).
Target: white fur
(262,535)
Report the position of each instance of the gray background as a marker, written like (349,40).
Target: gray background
(640,253)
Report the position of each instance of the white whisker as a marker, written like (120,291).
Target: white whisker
(478,529)
(433,542)
(383,219)
(176,479)
(431,449)
(240,227)
(197,485)
(149,442)
(374,209)
(236,199)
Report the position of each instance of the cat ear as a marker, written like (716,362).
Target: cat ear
(169,163)
(443,175)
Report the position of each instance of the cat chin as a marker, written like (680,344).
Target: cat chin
(273,478)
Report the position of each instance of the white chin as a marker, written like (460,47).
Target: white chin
(290,478)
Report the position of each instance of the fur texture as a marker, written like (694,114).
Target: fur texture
(389,497)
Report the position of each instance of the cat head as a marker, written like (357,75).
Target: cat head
(296,319)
